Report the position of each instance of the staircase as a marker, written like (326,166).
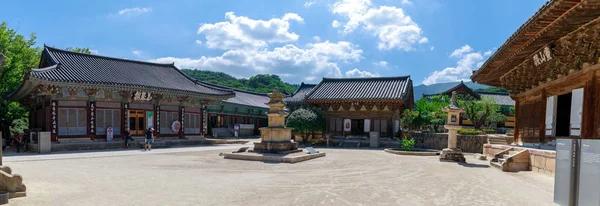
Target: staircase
(222,133)
(511,160)
(499,139)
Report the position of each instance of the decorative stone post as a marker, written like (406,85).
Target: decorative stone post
(276,138)
(452,154)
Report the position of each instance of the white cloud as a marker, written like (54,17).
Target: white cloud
(468,61)
(487,53)
(291,63)
(317,38)
(134,11)
(136,52)
(459,52)
(431,48)
(358,73)
(406,2)
(382,64)
(198,42)
(335,24)
(308,4)
(242,32)
(390,24)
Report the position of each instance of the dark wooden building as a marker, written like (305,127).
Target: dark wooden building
(357,106)
(551,66)
(76,95)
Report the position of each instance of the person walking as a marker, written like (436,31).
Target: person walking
(127,138)
(149,139)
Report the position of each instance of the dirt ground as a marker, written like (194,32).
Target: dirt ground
(201,177)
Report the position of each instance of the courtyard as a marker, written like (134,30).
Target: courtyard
(199,176)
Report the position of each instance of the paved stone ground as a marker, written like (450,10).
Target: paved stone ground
(198,176)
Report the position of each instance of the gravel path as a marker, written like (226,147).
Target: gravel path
(343,177)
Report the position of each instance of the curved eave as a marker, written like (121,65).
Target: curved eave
(554,20)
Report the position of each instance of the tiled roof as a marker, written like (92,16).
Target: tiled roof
(374,88)
(253,99)
(75,67)
(499,98)
(299,94)
(458,86)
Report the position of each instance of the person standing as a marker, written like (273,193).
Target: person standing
(127,138)
(149,139)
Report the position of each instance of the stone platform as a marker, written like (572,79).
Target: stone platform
(452,155)
(270,157)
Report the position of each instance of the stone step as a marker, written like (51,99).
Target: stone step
(496,165)
(513,152)
(501,160)
(506,156)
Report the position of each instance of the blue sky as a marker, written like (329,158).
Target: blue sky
(434,41)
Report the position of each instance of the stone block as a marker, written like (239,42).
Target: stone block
(535,169)
(540,162)
(551,164)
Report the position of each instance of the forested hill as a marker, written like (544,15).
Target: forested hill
(263,83)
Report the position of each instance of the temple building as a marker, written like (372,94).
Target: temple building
(501,99)
(551,66)
(246,112)
(357,106)
(296,100)
(76,95)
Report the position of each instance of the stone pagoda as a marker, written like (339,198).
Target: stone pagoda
(276,138)
(452,153)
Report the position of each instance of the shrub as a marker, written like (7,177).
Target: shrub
(489,131)
(304,122)
(407,144)
(468,131)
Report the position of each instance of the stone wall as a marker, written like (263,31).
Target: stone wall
(540,161)
(467,143)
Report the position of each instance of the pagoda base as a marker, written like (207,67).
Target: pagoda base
(276,147)
(452,155)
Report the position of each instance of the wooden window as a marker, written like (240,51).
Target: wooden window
(108,118)
(72,121)
(192,123)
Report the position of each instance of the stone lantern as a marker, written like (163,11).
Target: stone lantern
(452,153)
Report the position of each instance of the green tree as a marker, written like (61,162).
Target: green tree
(80,50)
(493,89)
(479,111)
(21,55)
(305,122)
(431,110)
(412,120)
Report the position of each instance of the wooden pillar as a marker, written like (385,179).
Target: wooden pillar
(542,123)
(517,136)
(590,105)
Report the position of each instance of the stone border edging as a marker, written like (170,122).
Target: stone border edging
(425,152)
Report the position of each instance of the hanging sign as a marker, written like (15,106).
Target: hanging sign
(542,56)
(109,134)
(126,115)
(347,125)
(54,125)
(158,119)
(142,96)
(150,119)
(175,126)
(92,117)
(182,119)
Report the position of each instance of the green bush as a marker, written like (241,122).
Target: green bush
(468,131)
(407,144)
(489,131)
